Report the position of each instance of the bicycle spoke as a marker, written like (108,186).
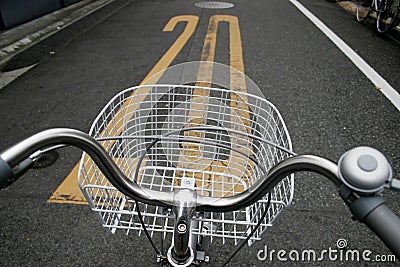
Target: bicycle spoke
(387,17)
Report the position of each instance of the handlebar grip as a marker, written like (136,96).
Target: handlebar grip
(8,175)
(386,225)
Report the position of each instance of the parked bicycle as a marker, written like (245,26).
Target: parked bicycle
(190,164)
(385,12)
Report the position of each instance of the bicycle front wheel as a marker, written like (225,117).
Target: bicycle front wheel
(364,9)
(387,16)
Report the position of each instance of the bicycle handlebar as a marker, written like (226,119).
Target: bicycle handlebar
(12,157)
(14,161)
(267,182)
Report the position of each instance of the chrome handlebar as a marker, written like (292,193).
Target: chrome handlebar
(64,136)
(273,177)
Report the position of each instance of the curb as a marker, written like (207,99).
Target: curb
(26,35)
(351,7)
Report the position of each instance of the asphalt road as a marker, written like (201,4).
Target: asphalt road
(328,104)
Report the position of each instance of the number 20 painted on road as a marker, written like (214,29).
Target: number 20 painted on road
(68,191)
(208,53)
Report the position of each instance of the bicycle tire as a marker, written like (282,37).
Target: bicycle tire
(364,9)
(389,11)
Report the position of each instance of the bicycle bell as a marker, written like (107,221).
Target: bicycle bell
(365,170)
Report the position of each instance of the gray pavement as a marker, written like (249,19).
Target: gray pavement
(329,106)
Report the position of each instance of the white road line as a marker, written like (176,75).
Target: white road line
(368,71)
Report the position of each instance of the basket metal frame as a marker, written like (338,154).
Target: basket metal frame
(136,116)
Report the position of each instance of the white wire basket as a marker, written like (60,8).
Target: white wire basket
(222,140)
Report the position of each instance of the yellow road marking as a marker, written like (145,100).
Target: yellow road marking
(69,191)
(240,115)
(166,60)
(190,156)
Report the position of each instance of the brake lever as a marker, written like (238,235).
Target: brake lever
(394,185)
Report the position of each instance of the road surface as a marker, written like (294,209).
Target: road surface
(329,105)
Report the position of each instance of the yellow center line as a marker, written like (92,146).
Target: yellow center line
(191,153)
(240,117)
(235,164)
(240,112)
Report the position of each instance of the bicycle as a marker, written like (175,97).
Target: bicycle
(385,11)
(192,164)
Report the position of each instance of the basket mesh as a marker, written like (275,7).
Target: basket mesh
(215,137)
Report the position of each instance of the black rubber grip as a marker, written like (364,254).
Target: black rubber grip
(386,225)
(6,174)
